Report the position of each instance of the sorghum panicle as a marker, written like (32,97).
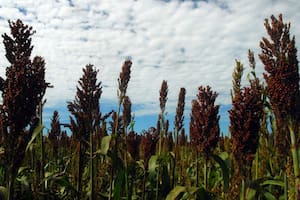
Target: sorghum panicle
(279,56)
(204,124)
(163,93)
(245,117)
(237,77)
(55,132)
(85,108)
(148,144)
(124,77)
(182,138)
(126,111)
(133,144)
(22,91)
(179,117)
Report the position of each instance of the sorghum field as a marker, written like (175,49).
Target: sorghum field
(104,158)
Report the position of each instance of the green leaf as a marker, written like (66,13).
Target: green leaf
(3,193)
(152,165)
(250,193)
(225,171)
(36,132)
(269,196)
(273,182)
(175,192)
(23,180)
(105,142)
(119,184)
(2,151)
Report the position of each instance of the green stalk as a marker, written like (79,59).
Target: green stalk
(126,165)
(256,163)
(242,196)
(197,169)
(92,166)
(79,172)
(144,186)
(175,157)
(294,150)
(161,133)
(11,181)
(205,175)
(114,136)
(42,146)
(285,186)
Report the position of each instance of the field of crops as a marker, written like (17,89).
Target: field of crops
(104,158)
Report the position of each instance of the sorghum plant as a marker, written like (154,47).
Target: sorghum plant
(86,118)
(245,117)
(179,118)
(148,144)
(237,77)
(133,144)
(147,149)
(279,56)
(22,92)
(204,125)
(55,133)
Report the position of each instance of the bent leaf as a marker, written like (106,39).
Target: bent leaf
(105,142)
(175,192)
(225,171)
(36,132)
(3,193)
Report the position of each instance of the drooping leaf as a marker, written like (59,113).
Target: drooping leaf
(152,165)
(3,193)
(105,142)
(225,171)
(273,182)
(250,194)
(36,132)
(119,184)
(269,196)
(2,151)
(175,192)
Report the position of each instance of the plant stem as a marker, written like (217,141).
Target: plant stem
(126,165)
(175,157)
(92,166)
(79,172)
(42,145)
(256,163)
(161,133)
(205,174)
(294,150)
(11,181)
(285,186)
(115,151)
(197,169)
(242,196)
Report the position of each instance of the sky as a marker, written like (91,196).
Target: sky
(188,43)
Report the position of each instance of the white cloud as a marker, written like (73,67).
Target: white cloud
(186,43)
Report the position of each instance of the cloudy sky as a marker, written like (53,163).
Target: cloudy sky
(188,43)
